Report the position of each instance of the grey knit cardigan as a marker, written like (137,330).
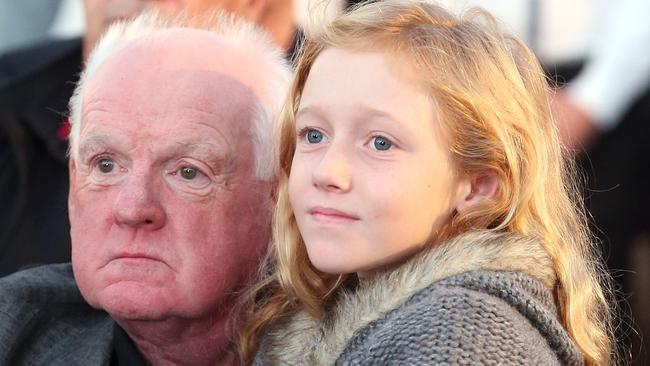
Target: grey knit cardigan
(479,299)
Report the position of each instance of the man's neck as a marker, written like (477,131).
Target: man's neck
(174,342)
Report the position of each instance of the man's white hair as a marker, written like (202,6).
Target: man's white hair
(243,35)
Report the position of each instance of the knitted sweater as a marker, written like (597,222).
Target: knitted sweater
(480,298)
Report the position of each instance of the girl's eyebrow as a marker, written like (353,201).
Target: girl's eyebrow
(318,112)
(313,110)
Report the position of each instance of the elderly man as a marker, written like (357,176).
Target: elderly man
(171,180)
(35,86)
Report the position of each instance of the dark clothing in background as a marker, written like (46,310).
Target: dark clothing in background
(617,171)
(35,86)
(617,167)
(618,176)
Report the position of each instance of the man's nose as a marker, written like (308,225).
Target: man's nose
(332,172)
(138,205)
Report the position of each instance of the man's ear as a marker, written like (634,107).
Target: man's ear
(72,173)
(72,170)
(476,190)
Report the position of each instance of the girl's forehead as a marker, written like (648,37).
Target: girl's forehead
(374,81)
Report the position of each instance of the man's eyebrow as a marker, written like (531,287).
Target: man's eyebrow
(91,144)
(219,157)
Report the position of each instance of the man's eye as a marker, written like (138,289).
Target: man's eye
(189,172)
(314,136)
(380,143)
(106,165)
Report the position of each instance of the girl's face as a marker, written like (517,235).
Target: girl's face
(371,179)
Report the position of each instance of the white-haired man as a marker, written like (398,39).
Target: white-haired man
(171,180)
(36,84)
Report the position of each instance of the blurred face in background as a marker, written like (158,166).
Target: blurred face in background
(101,13)
(196,7)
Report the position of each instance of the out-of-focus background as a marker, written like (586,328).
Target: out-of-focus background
(596,53)
(26,22)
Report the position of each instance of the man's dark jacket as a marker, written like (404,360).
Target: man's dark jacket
(35,86)
(45,321)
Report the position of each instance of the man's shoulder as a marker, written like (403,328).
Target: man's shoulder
(50,283)
(45,320)
(42,297)
(41,293)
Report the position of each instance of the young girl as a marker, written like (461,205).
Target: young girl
(425,213)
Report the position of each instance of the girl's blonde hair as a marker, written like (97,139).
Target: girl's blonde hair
(494,109)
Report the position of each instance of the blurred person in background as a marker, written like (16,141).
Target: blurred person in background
(35,87)
(599,53)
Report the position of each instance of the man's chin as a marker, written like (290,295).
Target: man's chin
(134,301)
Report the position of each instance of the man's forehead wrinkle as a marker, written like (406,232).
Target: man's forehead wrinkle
(234,115)
(223,147)
(211,147)
(93,105)
(224,104)
(210,84)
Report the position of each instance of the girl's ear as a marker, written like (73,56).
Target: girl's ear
(476,190)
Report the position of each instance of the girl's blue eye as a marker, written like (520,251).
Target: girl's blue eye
(380,143)
(314,136)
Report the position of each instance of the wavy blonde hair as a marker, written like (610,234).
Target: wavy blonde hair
(495,113)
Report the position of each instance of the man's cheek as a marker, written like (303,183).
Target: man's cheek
(91,212)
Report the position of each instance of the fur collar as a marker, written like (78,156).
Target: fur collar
(304,340)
